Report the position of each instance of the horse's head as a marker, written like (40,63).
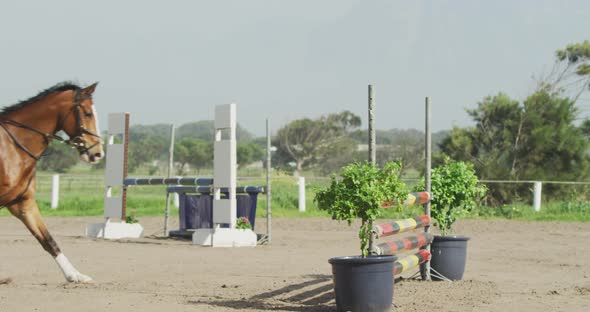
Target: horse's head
(81,125)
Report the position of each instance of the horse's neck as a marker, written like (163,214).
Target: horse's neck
(43,115)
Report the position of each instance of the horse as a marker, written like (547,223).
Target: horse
(27,128)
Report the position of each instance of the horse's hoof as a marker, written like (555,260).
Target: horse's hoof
(79,278)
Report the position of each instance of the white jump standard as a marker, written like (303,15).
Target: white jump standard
(224,176)
(225,164)
(116,172)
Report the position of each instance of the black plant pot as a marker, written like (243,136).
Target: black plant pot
(449,255)
(363,284)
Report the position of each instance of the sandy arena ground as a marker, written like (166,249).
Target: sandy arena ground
(511,266)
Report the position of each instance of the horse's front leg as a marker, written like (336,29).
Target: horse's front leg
(28,212)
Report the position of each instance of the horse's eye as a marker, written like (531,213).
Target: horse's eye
(87,115)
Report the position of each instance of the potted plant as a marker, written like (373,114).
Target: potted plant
(362,283)
(455,189)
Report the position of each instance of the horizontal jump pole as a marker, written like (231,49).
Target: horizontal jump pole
(406,263)
(406,243)
(167,181)
(400,226)
(209,189)
(416,198)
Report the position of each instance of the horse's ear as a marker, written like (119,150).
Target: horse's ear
(89,90)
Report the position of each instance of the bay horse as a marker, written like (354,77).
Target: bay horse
(27,128)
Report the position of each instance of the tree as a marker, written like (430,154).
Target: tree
(249,152)
(406,145)
(538,139)
(145,149)
(535,140)
(194,152)
(307,142)
(58,157)
(205,130)
(571,72)
(490,145)
(339,154)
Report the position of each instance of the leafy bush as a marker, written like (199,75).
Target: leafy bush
(359,193)
(455,190)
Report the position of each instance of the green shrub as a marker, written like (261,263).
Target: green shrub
(359,193)
(455,190)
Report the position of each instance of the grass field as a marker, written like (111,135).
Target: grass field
(82,195)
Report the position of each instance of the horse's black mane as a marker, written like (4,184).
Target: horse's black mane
(62,86)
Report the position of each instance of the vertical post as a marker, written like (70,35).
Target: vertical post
(425,267)
(538,186)
(55,191)
(224,166)
(176,200)
(115,196)
(125,166)
(268,188)
(171,152)
(116,166)
(166,214)
(372,143)
(170,167)
(301,183)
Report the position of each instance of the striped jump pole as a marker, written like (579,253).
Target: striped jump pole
(168,181)
(209,189)
(416,198)
(400,226)
(404,244)
(419,240)
(403,264)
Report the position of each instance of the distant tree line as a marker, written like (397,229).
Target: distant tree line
(149,146)
(329,142)
(322,145)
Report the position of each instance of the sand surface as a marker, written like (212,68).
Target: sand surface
(511,266)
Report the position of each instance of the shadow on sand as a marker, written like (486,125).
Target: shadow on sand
(313,295)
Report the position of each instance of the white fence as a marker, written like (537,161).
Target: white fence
(536,188)
(49,186)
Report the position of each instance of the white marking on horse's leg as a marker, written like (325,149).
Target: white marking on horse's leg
(71,274)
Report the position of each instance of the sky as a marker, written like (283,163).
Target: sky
(173,61)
